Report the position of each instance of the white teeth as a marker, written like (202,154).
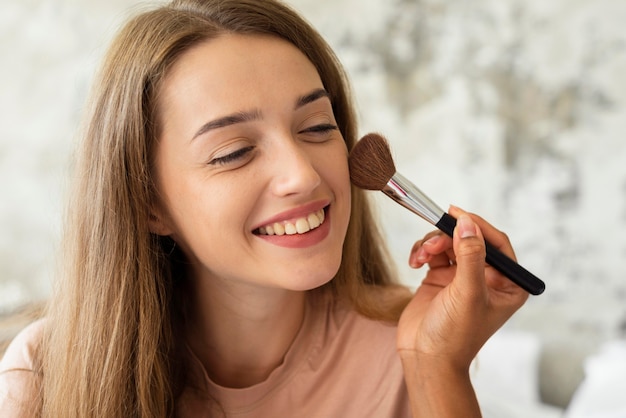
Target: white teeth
(299,226)
(290,229)
(279,229)
(313,220)
(302,225)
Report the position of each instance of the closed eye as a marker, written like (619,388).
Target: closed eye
(232,157)
(324,127)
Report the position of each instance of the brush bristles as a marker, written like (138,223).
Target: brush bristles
(371,163)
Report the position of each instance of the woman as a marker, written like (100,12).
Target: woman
(218,260)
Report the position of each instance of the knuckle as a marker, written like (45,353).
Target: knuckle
(431,234)
(471,248)
(505,238)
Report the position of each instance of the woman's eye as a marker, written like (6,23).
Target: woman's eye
(321,129)
(232,157)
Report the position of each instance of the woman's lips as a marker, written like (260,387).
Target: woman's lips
(292,215)
(298,239)
(300,225)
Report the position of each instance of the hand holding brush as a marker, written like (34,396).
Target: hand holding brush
(372,168)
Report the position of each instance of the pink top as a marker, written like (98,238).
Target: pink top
(340,365)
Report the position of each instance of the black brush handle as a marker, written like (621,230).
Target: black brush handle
(505,265)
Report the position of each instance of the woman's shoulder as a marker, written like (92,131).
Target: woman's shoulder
(20,374)
(23,351)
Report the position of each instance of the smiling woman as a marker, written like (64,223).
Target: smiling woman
(218,260)
(275,158)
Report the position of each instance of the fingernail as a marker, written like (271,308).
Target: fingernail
(416,259)
(466,226)
(432,240)
(421,255)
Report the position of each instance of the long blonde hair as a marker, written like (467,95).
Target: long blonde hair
(112,346)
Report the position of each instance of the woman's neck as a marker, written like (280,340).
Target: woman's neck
(242,333)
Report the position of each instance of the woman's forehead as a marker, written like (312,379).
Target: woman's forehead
(237,73)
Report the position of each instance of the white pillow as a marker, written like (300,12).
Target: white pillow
(505,376)
(602,394)
(507,367)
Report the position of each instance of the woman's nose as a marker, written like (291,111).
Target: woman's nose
(294,169)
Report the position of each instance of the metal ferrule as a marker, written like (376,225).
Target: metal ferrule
(408,195)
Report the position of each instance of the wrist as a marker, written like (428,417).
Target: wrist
(438,386)
(429,364)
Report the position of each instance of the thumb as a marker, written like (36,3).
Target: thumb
(469,248)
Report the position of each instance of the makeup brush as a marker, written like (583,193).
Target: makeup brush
(372,168)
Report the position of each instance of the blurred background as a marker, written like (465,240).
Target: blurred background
(513,109)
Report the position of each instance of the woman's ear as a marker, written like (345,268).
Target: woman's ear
(158,224)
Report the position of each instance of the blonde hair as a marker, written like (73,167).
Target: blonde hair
(112,348)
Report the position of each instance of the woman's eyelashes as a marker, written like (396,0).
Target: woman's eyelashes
(321,129)
(319,132)
(232,157)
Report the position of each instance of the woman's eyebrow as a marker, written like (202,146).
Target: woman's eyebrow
(240,117)
(232,119)
(311,97)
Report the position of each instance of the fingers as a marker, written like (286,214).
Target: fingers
(435,249)
(492,277)
(469,247)
(494,236)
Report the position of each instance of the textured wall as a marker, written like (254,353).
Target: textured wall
(48,50)
(513,109)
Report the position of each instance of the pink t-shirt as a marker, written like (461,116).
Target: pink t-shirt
(19,383)
(340,365)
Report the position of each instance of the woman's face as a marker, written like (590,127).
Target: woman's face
(250,166)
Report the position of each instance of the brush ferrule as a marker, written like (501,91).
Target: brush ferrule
(408,195)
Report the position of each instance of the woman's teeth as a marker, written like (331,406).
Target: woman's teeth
(297,226)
